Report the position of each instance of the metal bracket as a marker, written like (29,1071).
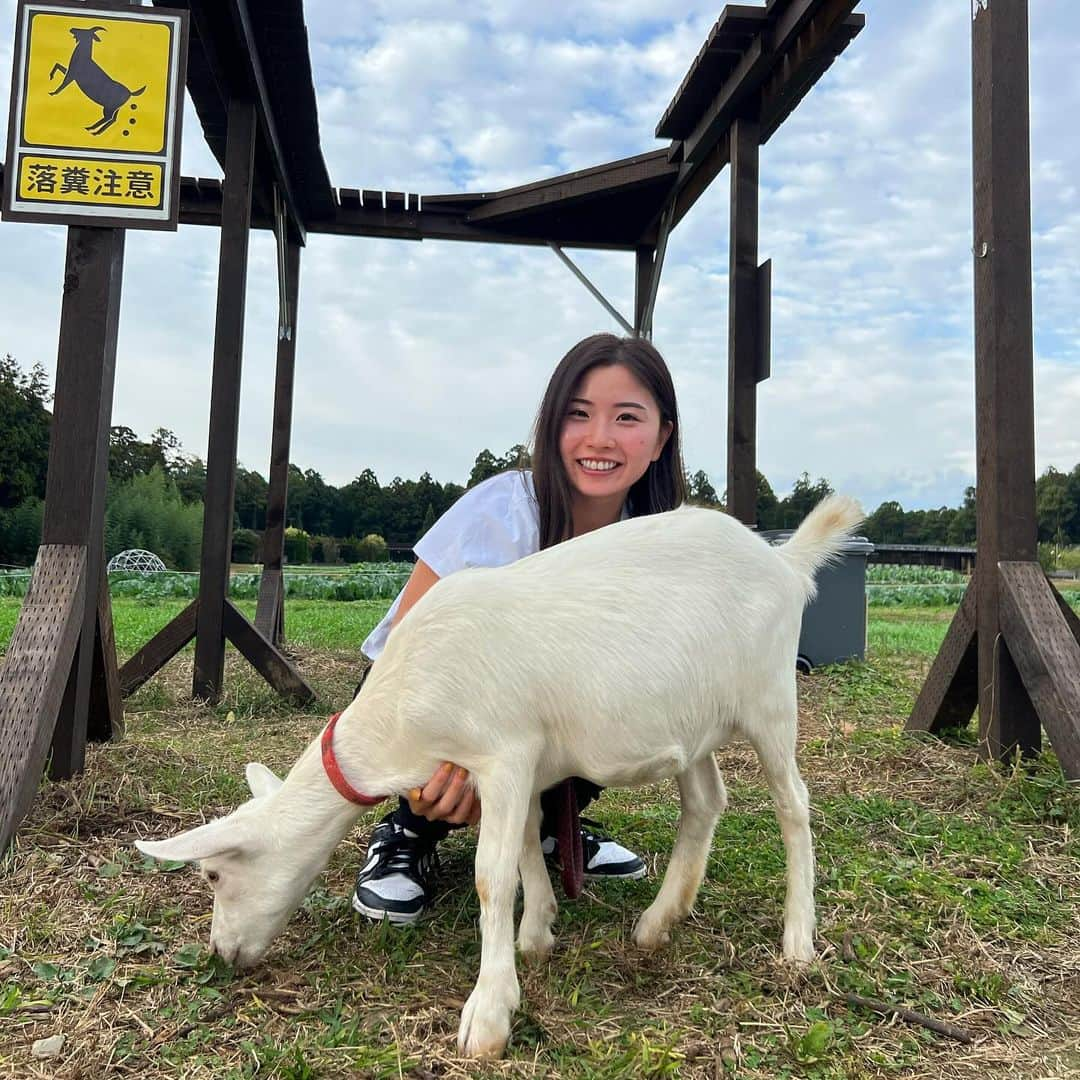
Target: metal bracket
(281,239)
(579,274)
(666,219)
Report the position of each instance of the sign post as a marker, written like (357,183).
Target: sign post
(96,103)
(93,143)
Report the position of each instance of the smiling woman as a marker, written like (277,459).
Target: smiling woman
(605,447)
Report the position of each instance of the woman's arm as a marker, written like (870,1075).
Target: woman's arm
(420,580)
(445,796)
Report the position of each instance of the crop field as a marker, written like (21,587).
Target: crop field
(945,886)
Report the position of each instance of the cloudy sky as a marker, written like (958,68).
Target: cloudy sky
(414,356)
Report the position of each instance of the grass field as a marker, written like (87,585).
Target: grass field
(943,885)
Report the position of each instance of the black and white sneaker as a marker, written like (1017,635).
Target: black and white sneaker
(604,858)
(396,881)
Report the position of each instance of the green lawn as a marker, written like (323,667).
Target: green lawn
(943,885)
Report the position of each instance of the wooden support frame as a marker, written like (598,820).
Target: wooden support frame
(744,331)
(211,619)
(225,401)
(159,650)
(1014,646)
(270,610)
(75,488)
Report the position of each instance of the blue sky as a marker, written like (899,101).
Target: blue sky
(415,356)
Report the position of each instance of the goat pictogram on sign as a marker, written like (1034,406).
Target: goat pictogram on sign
(94,134)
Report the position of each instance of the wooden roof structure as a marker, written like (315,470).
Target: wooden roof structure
(759,60)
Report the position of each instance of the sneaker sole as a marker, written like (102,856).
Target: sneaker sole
(630,875)
(398,918)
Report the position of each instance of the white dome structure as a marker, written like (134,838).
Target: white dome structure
(137,561)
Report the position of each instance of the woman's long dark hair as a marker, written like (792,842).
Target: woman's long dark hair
(662,487)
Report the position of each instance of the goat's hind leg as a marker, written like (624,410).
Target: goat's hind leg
(107,120)
(774,742)
(535,939)
(485,1020)
(703,799)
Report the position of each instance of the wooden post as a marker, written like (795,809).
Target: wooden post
(78,466)
(744,346)
(224,401)
(269,615)
(1004,425)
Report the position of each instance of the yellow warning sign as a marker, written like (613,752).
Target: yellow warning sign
(95,126)
(88,181)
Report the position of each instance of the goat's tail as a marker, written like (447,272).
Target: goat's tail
(820,539)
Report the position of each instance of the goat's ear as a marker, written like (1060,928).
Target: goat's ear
(215,838)
(261,780)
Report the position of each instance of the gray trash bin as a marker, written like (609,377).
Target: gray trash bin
(834,624)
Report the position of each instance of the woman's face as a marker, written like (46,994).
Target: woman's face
(611,433)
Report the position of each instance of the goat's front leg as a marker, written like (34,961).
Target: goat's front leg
(703,799)
(485,1020)
(535,939)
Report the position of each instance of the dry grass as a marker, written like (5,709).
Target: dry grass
(943,885)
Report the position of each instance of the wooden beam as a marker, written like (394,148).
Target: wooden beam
(105,719)
(601,180)
(743,329)
(1072,620)
(748,75)
(951,691)
(228,43)
(266,660)
(159,650)
(1046,654)
(1004,395)
(79,451)
(805,58)
(273,539)
(224,403)
(269,606)
(35,676)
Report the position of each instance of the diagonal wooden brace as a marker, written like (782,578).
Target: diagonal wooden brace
(35,674)
(264,658)
(106,717)
(159,650)
(951,692)
(1046,653)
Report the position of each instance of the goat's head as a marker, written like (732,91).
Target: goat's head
(87,33)
(258,872)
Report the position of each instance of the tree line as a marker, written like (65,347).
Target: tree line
(156,491)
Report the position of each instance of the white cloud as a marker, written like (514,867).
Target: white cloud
(415,356)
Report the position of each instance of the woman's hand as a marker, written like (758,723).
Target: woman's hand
(446,797)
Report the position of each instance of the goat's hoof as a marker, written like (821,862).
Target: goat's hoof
(536,947)
(485,1027)
(799,948)
(650,935)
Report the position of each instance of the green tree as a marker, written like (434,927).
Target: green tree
(249,501)
(886,525)
(20,532)
(700,490)
(767,504)
(24,422)
(962,527)
(148,512)
(484,467)
(359,507)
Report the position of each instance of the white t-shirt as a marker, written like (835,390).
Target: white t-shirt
(493,524)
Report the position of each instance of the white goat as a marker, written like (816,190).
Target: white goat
(625,656)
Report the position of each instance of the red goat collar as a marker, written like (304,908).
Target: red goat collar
(334,773)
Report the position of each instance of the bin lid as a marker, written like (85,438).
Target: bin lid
(854,545)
